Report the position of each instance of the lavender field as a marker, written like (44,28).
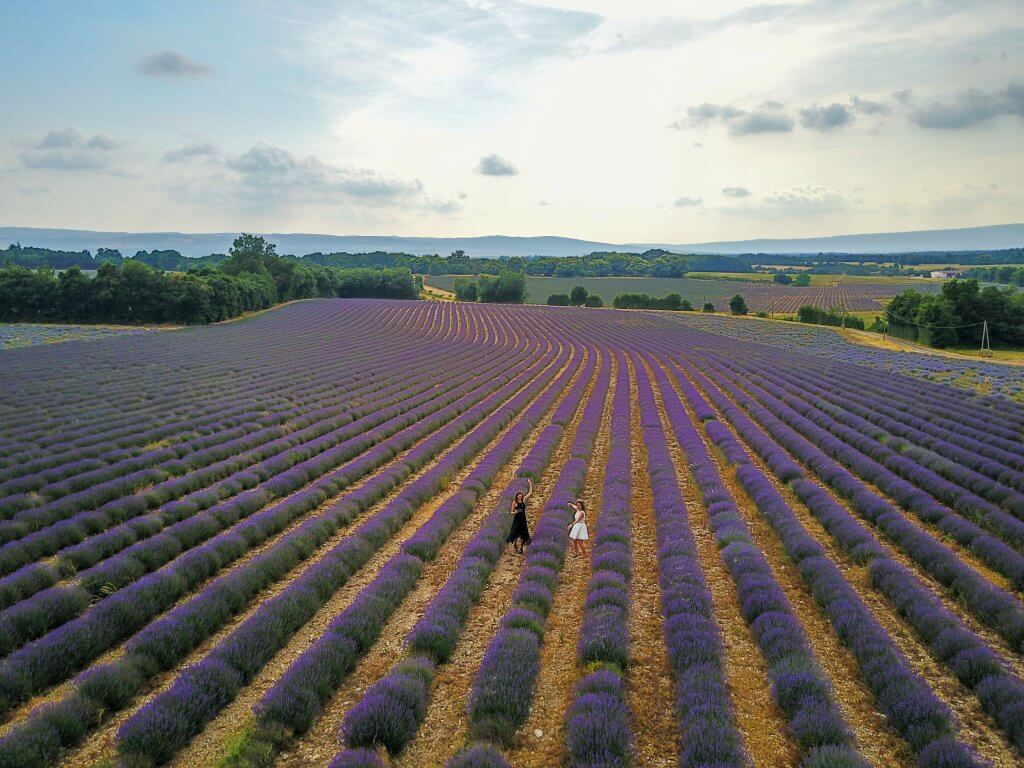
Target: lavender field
(282,542)
(29,334)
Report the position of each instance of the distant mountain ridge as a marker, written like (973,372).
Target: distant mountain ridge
(199,244)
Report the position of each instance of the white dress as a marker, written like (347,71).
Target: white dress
(579,528)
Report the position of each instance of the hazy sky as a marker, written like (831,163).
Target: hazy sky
(621,121)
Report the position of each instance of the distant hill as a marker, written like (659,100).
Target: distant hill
(967,239)
(190,244)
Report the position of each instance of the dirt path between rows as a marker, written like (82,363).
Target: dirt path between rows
(876,740)
(650,684)
(101,743)
(559,667)
(760,721)
(320,744)
(445,726)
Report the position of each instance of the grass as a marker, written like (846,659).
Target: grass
(820,279)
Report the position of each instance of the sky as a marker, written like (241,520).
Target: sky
(635,121)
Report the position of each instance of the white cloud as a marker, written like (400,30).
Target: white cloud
(268,177)
(687,202)
(805,198)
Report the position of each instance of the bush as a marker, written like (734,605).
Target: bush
(558,300)
(593,300)
(507,288)
(578,296)
(465,289)
(672,301)
(708,307)
(738,305)
(832,316)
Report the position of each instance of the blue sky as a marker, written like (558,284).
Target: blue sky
(622,121)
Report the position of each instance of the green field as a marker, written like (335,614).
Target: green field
(609,287)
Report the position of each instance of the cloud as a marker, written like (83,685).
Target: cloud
(766,119)
(971,107)
(62,137)
(170,64)
(270,167)
(432,56)
(904,96)
(761,122)
(493,165)
(736,192)
(68,149)
(704,113)
(267,177)
(806,198)
(825,118)
(687,202)
(191,150)
(869,107)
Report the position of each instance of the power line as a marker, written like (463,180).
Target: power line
(892,314)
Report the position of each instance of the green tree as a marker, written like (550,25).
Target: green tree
(578,296)
(73,303)
(937,322)
(558,300)
(249,253)
(802,280)
(507,288)
(901,314)
(738,305)
(593,300)
(465,289)
(708,307)
(782,278)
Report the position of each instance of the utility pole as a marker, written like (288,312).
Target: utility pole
(986,340)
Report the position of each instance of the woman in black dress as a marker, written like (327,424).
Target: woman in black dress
(519,536)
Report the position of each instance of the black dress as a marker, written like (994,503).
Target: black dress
(520,529)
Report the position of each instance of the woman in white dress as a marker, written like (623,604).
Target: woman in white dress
(578,529)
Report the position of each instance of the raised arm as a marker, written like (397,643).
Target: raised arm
(529,489)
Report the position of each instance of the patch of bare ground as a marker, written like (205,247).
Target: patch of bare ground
(758,718)
(317,746)
(100,745)
(559,667)
(650,688)
(445,726)
(876,741)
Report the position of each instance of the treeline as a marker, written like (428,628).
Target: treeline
(955,316)
(504,288)
(1004,275)
(671,301)
(831,316)
(578,297)
(251,278)
(873,261)
(652,263)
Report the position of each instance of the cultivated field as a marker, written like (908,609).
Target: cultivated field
(858,296)
(28,334)
(282,542)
